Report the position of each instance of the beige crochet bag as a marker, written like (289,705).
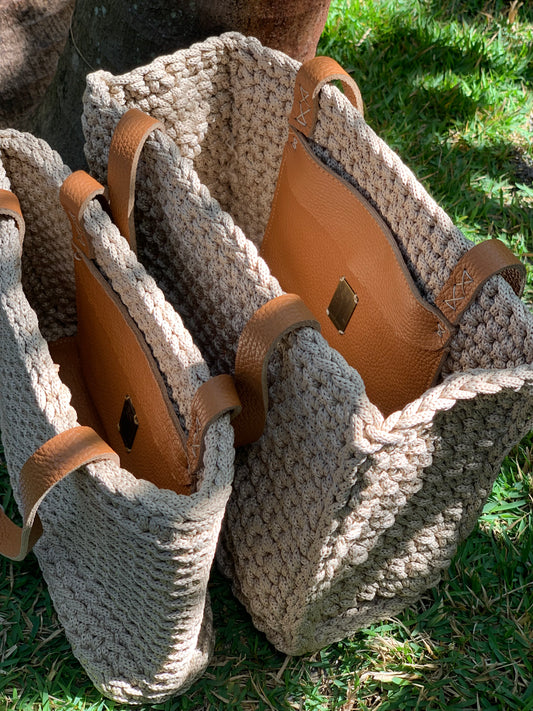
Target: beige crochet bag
(338,516)
(126,556)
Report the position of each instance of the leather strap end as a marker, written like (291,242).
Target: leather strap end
(311,77)
(75,194)
(56,459)
(10,206)
(127,143)
(260,336)
(481,262)
(213,399)
(16,542)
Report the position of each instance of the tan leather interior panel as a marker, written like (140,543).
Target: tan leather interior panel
(322,229)
(118,365)
(64,352)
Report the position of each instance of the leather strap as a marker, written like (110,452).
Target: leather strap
(75,194)
(213,399)
(126,145)
(10,206)
(56,459)
(481,262)
(311,77)
(260,336)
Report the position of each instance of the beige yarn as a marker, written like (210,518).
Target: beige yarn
(126,563)
(338,517)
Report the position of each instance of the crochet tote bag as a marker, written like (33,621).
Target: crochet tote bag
(338,515)
(126,556)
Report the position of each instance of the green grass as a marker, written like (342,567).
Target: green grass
(448,84)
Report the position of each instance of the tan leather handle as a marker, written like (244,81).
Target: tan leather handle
(213,399)
(260,336)
(482,261)
(56,459)
(10,206)
(75,194)
(311,77)
(127,143)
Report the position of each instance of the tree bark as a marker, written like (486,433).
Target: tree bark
(119,35)
(32,37)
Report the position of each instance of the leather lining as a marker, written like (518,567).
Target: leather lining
(321,229)
(117,363)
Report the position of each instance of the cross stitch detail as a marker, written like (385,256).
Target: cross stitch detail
(304,106)
(440,330)
(459,293)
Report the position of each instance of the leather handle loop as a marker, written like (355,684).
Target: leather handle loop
(127,143)
(481,262)
(56,459)
(260,336)
(75,194)
(213,399)
(311,77)
(10,206)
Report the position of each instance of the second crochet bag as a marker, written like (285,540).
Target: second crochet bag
(339,516)
(89,344)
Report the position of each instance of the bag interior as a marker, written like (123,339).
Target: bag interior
(233,126)
(103,358)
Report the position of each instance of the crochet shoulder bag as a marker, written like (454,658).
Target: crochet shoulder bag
(118,444)
(339,515)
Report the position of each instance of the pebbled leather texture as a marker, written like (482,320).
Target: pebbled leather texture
(322,229)
(118,364)
(473,269)
(260,336)
(126,145)
(56,459)
(10,206)
(213,399)
(311,77)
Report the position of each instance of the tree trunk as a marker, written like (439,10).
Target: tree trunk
(119,35)
(32,37)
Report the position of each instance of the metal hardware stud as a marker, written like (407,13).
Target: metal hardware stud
(128,424)
(342,305)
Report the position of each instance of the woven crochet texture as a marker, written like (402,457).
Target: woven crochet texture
(126,563)
(338,517)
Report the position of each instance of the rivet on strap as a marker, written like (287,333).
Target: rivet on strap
(10,206)
(75,194)
(127,143)
(213,399)
(56,459)
(260,336)
(311,77)
(481,262)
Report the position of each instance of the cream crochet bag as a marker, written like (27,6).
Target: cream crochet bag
(338,516)
(126,562)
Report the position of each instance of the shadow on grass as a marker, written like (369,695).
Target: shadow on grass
(467,642)
(425,89)
(469,10)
